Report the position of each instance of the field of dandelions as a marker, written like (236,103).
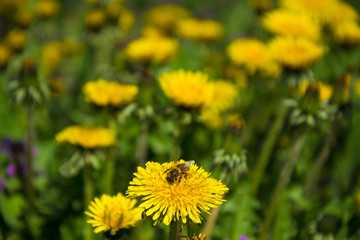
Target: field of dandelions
(192,120)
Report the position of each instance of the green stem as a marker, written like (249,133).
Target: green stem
(283,181)
(29,144)
(143,143)
(110,161)
(88,195)
(174,230)
(267,150)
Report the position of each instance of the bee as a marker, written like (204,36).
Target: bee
(177,171)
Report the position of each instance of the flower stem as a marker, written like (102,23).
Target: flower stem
(29,144)
(88,195)
(143,143)
(110,161)
(174,230)
(265,154)
(284,179)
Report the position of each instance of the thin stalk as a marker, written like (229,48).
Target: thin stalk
(29,145)
(283,181)
(143,143)
(320,162)
(174,230)
(88,195)
(265,154)
(110,161)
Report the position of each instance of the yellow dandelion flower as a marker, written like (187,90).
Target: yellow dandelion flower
(347,33)
(165,16)
(16,39)
(290,23)
(46,9)
(151,50)
(109,93)
(324,91)
(112,213)
(198,237)
(152,32)
(203,30)
(95,19)
(222,95)
(86,136)
(51,56)
(185,88)
(126,19)
(24,17)
(357,89)
(235,122)
(254,56)
(212,118)
(181,200)
(5,55)
(261,5)
(343,12)
(296,53)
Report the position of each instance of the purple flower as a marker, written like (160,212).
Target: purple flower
(243,237)
(12,149)
(11,170)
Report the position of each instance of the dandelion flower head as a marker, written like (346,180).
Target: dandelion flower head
(185,88)
(16,39)
(198,237)
(52,55)
(5,55)
(212,118)
(86,136)
(183,200)
(254,56)
(296,53)
(202,30)
(109,93)
(290,23)
(222,95)
(111,213)
(324,91)
(151,50)
(47,8)
(166,16)
(347,33)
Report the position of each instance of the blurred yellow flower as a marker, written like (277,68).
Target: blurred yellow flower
(16,39)
(112,213)
(261,5)
(290,23)
(152,32)
(5,55)
(185,88)
(357,92)
(51,56)
(182,200)
(151,50)
(212,118)
(347,33)
(323,91)
(222,95)
(95,19)
(254,56)
(24,17)
(126,19)
(344,12)
(203,30)
(235,122)
(86,136)
(165,16)
(198,237)
(109,93)
(296,53)
(46,9)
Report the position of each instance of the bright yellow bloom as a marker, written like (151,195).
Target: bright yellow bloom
(212,118)
(86,137)
(261,5)
(347,33)
(198,237)
(151,50)
(165,16)
(343,12)
(5,55)
(106,93)
(182,200)
(95,19)
(296,53)
(47,8)
(254,56)
(323,90)
(126,19)
(152,32)
(16,39)
(290,23)
(185,88)
(200,30)
(222,95)
(112,213)
(51,56)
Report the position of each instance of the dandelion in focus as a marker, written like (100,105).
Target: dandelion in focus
(182,200)
(113,213)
